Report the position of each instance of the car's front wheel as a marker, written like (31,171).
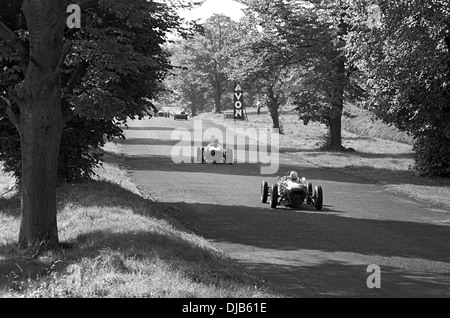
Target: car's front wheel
(264,191)
(318,198)
(229,158)
(274,196)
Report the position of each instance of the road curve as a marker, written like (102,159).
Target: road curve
(300,253)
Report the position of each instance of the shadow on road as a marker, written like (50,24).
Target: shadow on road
(164,163)
(285,229)
(332,279)
(302,231)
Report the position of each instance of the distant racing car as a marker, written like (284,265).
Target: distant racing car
(182,115)
(291,191)
(214,152)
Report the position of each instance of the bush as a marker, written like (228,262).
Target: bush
(79,153)
(432,155)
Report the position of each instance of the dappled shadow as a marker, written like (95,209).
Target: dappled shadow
(166,164)
(160,243)
(359,154)
(10,206)
(343,279)
(394,177)
(146,246)
(148,142)
(290,230)
(148,128)
(282,230)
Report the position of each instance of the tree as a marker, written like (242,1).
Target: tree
(104,71)
(204,57)
(184,86)
(406,60)
(313,37)
(261,62)
(40,123)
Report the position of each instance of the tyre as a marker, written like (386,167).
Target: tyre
(229,156)
(274,196)
(264,191)
(309,187)
(318,198)
(200,155)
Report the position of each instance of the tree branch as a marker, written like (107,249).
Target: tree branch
(86,4)
(79,73)
(14,42)
(12,116)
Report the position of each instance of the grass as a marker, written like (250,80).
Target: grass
(116,243)
(383,154)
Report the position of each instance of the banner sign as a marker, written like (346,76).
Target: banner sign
(238,103)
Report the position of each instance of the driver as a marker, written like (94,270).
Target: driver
(215,143)
(293,175)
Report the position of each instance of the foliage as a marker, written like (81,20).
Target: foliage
(184,86)
(202,62)
(113,69)
(406,59)
(260,63)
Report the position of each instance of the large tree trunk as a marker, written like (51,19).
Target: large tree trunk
(335,122)
(41,123)
(218,99)
(335,134)
(273,105)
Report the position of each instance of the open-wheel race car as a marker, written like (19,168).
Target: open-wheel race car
(181,116)
(214,152)
(291,191)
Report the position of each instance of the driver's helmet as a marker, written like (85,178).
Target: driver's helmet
(294,176)
(216,142)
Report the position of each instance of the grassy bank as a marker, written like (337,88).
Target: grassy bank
(386,161)
(116,243)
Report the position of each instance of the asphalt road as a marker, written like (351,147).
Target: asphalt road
(300,253)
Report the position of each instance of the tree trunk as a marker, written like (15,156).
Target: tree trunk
(41,123)
(335,122)
(218,99)
(335,131)
(273,105)
(193,108)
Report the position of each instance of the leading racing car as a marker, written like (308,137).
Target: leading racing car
(214,152)
(291,191)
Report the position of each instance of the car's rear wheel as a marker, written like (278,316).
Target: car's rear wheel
(264,191)
(274,196)
(199,155)
(200,158)
(229,156)
(318,198)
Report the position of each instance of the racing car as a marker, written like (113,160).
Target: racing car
(214,152)
(291,191)
(182,115)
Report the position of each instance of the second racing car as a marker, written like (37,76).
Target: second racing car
(214,152)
